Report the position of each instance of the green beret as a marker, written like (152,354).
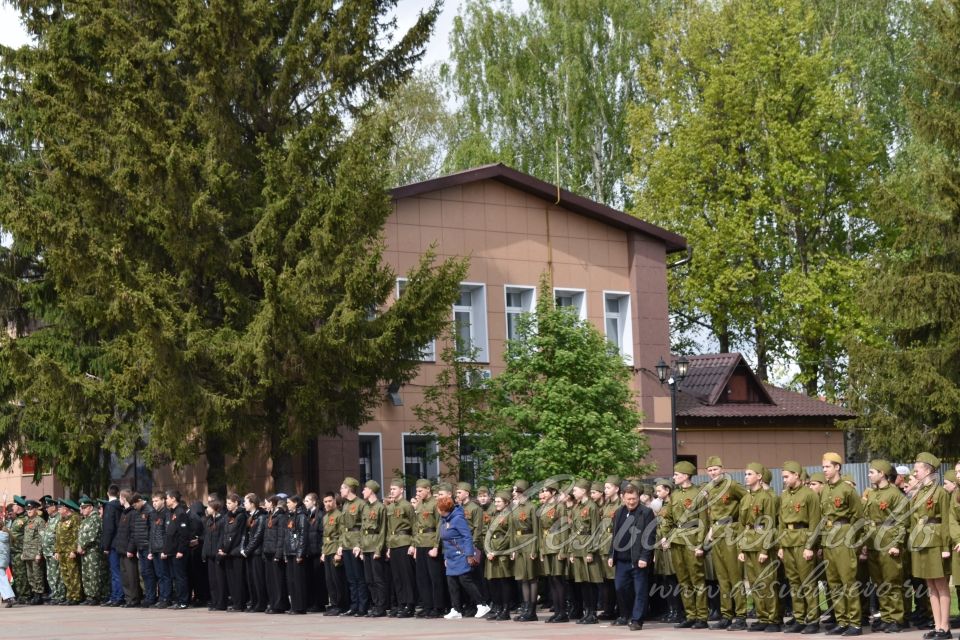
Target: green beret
(445,486)
(614,480)
(714,461)
(423,483)
(521,485)
(464,486)
(950,476)
(929,458)
(504,495)
(757,468)
(793,466)
(582,483)
(397,482)
(685,467)
(882,466)
(817,476)
(483,491)
(353,483)
(373,485)
(596,486)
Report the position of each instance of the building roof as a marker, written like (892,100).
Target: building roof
(528,184)
(702,393)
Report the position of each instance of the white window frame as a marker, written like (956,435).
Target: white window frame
(575,294)
(429,351)
(377,462)
(528,303)
(478,318)
(624,321)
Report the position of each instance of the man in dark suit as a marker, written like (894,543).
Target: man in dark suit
(111,518)
(631,556)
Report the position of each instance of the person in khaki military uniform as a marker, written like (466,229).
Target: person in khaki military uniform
(758,552)
(400,522)
(48,538)
(333,571)
(841,509)
(583,549)
(553,535)
(32,551)
(722,495)
(431,581)
(524,531)
(66,548)
(885,509)
(351,526)
(499,567)
(89,550)
(798,526)
(686,524)
(21,586)
(608,509)
(929,540)
(950,484)
(662,560)
(373,545)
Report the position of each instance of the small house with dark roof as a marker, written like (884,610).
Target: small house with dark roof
(724,409)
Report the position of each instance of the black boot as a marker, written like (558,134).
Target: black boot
(520,613)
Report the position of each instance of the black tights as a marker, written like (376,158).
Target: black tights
(500,591)
(558,593)
(588,593)
(529,590)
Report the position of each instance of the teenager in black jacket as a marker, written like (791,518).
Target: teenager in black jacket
(295,550)
(126,547)
(273,556)
(316,585)
(161,566)
(143,517)
(176,546)
(231,546)
(252,552)
(213,555)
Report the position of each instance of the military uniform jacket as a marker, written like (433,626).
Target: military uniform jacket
(48,537)
(886,511)
(331,532)
(373,538)
(758,517)
(426,532)
(67,533)
(686,517)
(474,516)
(32,543)
(722,497)
(839,505)
(607,513)
(16,528)
(930,519)
(497,538)
(400,521)
(524,528)
(799,518)
(350,523)
(89,534)
(553,528)
(584,536)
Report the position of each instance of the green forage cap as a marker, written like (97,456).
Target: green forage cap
(818,476)
(767,476)
(582,483)
(397,482)
(596,486)
(20,501)
(373,485)
(714,461)
(70,504)
(882,466)
(464,486)
(950,476)
(423,483)
(793,466)
(445,486)
(929,458)
(614,480)
(84,501)
(504,495)
(483,491)
(551,485)
(353,483)
(521,485)
(685,467)
(663,482)
(757,468)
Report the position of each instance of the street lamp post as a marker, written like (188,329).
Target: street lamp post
(679,369)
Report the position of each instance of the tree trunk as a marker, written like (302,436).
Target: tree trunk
(216,466)
(761,338)
(282,466)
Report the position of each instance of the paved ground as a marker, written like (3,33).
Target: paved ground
(97,623)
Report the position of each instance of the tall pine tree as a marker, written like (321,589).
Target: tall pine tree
(202,182)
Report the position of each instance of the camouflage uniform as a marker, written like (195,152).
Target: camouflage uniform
(21,588)
(66,545)
(32,547)
(48,539)
(92,560)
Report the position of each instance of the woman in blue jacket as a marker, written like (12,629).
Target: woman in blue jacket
(457,542)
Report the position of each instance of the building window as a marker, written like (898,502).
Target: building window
(28,465)
(419,460)
(519,300)
(370,458)
(617,323)
(470,463)
(470,322)
(573,298)
(429,352)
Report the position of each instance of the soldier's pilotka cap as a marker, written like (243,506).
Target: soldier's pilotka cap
(714,461)
(353,483)
(950,476)
(882,466)
(483,491)
(464,486)
(445,486)
(663,482)
(757,468)
(614,480)
(793,466)
(373,485)
(818,476)
(504,495)
(685,467)
(521,485)
(766,476)
(929,458)
(582,483)
(397,482)
(551,485)
(423,483)
(831,456)
(596,486)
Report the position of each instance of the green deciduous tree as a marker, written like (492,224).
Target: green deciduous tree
(564,403)
(562,73)
(202,182)
(753,145)
(905,372)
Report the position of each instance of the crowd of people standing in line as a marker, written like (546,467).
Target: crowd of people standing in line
(631,551)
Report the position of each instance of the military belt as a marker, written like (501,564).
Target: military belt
(355,529)
(727,520)
(422,530)
(690,524)
(797,525)
(931,521)
(838,521)
(889,522)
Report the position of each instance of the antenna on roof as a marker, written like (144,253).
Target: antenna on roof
(557,159)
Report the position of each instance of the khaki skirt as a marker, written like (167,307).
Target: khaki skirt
(928,564)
